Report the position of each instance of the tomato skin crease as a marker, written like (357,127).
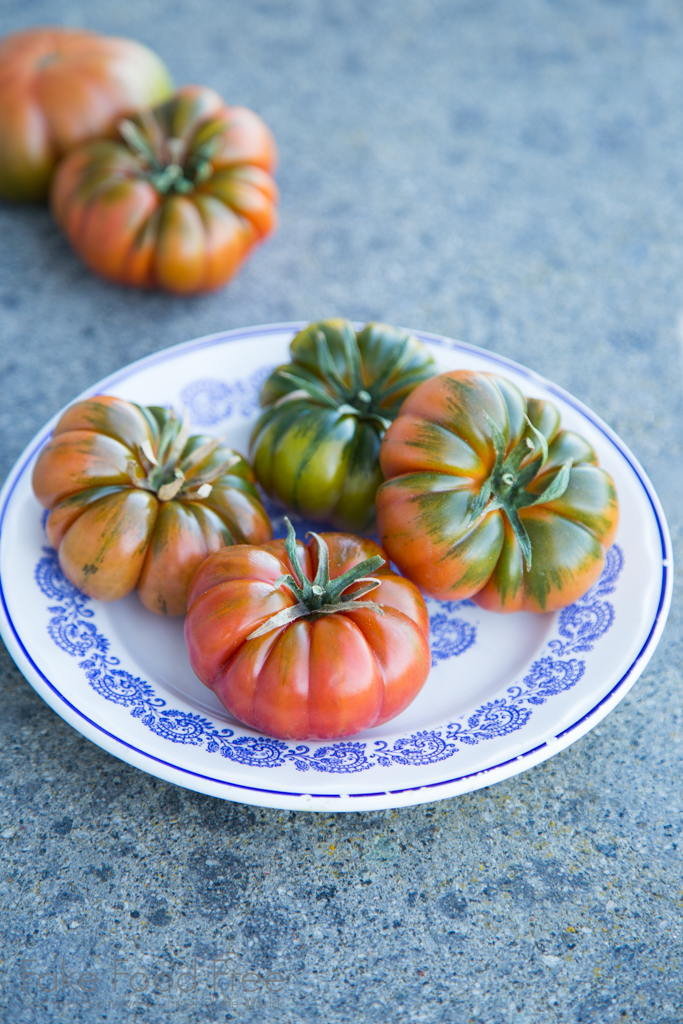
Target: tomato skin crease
(103,551)
(112,532)
(190,232)
(437,457)
(397,654)
(175,549)
(319,677)
(79,459)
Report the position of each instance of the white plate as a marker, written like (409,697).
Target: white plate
(505,691)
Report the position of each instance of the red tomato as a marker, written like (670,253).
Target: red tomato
(294,646)
(59,87)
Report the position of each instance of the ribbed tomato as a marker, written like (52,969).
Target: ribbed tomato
(487,497)
(286,637)
(315,446)
(179,201)
(136,503)
(60,87)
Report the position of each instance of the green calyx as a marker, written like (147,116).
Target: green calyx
(167,473)
(506,487)
(348,393)
(322,596)
(171,165)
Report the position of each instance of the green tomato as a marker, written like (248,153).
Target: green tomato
(315,446)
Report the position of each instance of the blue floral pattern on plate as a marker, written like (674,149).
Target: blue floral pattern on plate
(209,400)
(579,628)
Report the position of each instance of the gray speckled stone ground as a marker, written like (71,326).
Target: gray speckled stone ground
(507,173)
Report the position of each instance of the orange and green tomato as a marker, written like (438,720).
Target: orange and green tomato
(487,497)
(134,503)
(178,201)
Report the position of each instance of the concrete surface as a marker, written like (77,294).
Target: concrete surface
(506,173)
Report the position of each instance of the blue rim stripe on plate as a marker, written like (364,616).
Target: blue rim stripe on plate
(241,334)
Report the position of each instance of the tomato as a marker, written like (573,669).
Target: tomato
(286,637)
(316,445)
(136,503)
(178,202)
(59,87)
(487,497)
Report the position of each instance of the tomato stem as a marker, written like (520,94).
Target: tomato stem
(507,486)
(322,596)
(170,164)
(169,474)
(352,398)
